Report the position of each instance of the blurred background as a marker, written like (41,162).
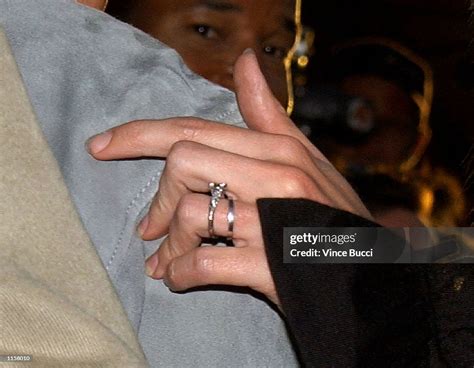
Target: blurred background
(438,30)
(434,33)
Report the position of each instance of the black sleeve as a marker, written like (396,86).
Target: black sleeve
(451,296)
(344,315)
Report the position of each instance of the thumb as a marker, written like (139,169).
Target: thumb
(259,107)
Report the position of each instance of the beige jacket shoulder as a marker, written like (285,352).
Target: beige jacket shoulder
(56,301)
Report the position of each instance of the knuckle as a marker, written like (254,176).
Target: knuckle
(181,148)
(187,208)
(180,154)
(203,262)
(191,127)
(290,148)
(296,183)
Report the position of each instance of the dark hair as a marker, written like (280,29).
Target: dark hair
(121,9)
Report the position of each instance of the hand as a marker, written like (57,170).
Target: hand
(271,159)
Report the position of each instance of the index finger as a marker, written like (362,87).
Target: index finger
(147,138)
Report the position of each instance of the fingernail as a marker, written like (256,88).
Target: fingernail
(151,264)
(143,226)
(98,142)
(249,51)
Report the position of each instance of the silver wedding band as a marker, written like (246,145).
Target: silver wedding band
(230,217)
(217,193)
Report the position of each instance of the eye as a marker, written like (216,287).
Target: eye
(276,52)
(205,31)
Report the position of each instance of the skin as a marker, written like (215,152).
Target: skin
(211,34)
(274,149)
(97,4)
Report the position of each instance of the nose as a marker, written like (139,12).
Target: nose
(226,75)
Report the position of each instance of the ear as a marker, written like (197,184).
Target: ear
(97,4)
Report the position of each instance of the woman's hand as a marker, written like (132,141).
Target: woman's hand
(271,159)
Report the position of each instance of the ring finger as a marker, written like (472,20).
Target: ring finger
(191,166)
(190,224)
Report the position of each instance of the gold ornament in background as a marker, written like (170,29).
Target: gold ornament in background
(289,58)
(441,198)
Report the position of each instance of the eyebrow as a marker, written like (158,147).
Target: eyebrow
(220,5)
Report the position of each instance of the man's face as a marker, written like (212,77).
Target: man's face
(211,34)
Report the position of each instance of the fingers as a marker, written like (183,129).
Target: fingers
(154,138)
(246,267)
(191,167)
(190,224)
(184,264)
(157,138)
(259,107)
